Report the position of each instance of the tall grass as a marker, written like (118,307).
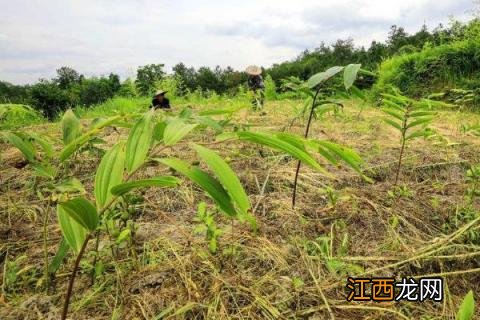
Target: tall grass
(13,116)
(117,105)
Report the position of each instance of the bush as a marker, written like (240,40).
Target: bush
(454,65)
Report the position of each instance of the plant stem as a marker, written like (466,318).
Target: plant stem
(92,275)
(45,247)
(307,129)
(72,278)
(404,133)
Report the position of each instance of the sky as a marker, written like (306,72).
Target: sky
(97,37)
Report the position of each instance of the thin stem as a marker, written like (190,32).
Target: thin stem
(72,278)
(307,129)
(45,247)
(404,133)
(97,241)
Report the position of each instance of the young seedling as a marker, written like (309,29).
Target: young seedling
(410,118)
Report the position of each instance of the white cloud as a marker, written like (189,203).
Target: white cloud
(98,37)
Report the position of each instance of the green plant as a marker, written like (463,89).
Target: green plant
(208,226)
(313,89)
(467,308)
(473,181)
(409,117)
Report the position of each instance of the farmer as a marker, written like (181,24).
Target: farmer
(255,83)
(159,100)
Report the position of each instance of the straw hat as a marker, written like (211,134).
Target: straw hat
(253,70)
(159,92)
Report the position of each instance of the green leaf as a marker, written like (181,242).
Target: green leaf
(109,174)
(394,113)
(59,256)
(72,231)
(176,130)
(393,124)
(205,181)
(45,144)
(70,185)
(138,142)
(208,122)
(44,170)
(318,78)
(25,146)
(82,211)
(226,176)
(167,181)
(419,121)
(350,74)
(282,145)
(70,127)
(467,308)
(73,146)
(356,92)
(159,130)
(416,134)
(123,236)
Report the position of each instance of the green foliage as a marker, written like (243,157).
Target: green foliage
(139,141)
(72,231)
(208,226)
(147,77)
(109,174)
(13,116)
(270,88)
(176,130)
(70,126)
(443,67)
(167,181)
(467,308)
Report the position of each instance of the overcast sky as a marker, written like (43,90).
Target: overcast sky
(97,37)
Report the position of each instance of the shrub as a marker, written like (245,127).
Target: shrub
(454,65)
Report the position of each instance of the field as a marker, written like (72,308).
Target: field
(295,266)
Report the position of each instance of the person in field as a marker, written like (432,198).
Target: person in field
(159,100)
(255,83)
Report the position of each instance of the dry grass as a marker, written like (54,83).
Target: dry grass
(277,273)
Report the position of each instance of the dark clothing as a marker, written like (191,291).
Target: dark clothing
(165,104)
(256,83)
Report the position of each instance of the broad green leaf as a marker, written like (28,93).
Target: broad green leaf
(159,130)
(82,211)
(139,141)
(282,145)
(393,124)
(176,130)
(167,181)
(72,231)
(419,121)
(208,122)
(25,146)
(226,176)
(394,105)
(220,111)
(70,127)
(399,99)
(109,174)
(422,113)
(350,74)
(205,181)
(59,256)
(73,146)
(345,154)
(467,308)
(318,78)
(45,144)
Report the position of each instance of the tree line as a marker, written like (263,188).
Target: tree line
(70,88)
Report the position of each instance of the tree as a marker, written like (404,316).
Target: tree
(186,77)
(67,77)
(147,76)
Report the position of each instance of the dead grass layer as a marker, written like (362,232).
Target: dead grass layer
(278,273)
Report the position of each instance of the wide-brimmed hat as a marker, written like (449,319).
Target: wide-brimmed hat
(159,92)
(253,70)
